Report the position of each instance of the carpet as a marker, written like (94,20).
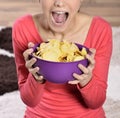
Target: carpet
(8,78)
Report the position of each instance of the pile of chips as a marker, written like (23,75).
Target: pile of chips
(60,51)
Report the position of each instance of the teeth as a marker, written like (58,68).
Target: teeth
(60,12)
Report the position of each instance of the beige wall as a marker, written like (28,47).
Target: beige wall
(12,9)
(109,9)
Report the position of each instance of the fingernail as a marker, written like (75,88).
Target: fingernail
(79,65)
(69,82)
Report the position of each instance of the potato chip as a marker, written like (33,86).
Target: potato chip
(83,51)
(51,56)
(60,51)
(77,58)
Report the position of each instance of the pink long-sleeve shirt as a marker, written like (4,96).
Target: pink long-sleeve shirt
(52,100)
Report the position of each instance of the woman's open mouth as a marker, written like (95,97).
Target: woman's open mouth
(59,17)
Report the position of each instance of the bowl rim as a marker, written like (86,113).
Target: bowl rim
(38,44)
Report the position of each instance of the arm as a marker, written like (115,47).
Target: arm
(94,93)
(92,84)
(30,90)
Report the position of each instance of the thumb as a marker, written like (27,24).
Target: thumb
(30,44)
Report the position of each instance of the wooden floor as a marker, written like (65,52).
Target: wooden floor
(12,9)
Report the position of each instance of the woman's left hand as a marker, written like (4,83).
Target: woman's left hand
(87,72)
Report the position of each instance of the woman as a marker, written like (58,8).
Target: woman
(82,97)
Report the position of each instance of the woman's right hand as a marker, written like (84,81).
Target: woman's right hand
(29,63)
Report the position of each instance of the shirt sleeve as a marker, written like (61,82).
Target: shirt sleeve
(94,93)
(30,90)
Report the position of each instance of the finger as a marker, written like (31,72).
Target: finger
(83,69)
(91,59)
(78,77)
(30,45)
(81,79)
(27,53)
(39,78)
(30,63)
(34,71)
(91,63)
(73,82)
(93,51)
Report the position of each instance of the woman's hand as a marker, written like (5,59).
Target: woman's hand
(29,63)
(87,72)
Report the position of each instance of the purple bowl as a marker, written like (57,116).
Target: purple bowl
(59,72)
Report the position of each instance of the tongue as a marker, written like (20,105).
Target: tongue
(59,18)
